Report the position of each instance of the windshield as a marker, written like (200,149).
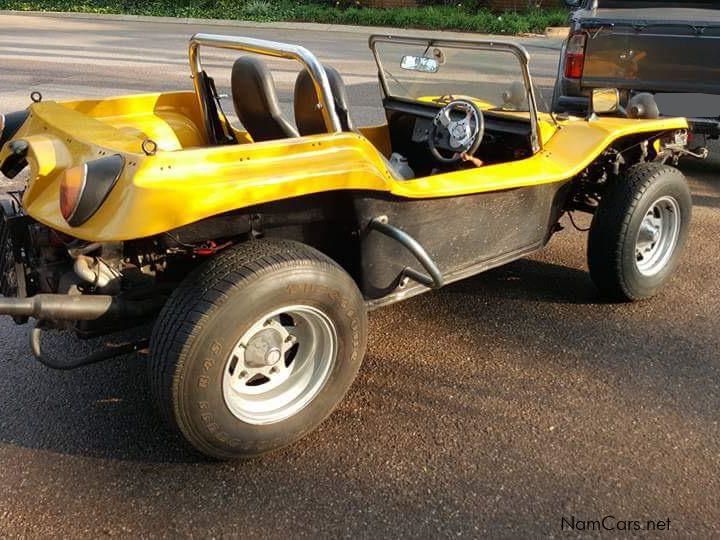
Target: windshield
(424,72)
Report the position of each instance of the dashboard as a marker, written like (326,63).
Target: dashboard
(410,124)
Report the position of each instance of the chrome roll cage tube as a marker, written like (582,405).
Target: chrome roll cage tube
(266,48)
(519,51)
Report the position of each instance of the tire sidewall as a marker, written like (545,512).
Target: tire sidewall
(671,184)
(199,381)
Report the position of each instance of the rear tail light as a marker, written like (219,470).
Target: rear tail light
(575,56)
(71,187)
(83,189)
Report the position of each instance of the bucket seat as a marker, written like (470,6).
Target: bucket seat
(256,103)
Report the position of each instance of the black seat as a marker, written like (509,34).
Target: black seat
(256,102)
(308,117)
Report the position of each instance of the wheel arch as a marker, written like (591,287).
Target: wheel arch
(619,157)
(325,221)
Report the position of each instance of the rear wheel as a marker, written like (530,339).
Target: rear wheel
(256,348)
(639,231)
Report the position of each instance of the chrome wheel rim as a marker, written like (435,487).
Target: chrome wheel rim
(279,365)
(658,236)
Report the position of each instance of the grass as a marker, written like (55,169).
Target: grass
(427,17)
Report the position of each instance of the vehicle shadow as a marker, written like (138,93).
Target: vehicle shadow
(102,410)
(704,178)
(672,355)
(531,280)
(708,201)
(105,411)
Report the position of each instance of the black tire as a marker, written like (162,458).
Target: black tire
(212,309)
(612,257)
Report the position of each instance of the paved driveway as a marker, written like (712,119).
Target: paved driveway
(493,407)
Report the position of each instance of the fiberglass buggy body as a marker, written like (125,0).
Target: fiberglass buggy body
(257,252)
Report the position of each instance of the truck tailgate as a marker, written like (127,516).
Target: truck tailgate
(653,55)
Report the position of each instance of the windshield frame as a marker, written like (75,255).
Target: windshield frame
(516,49)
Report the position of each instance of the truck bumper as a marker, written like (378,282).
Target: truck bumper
(573,105)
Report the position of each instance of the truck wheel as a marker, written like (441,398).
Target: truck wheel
(639,231)
(256,348)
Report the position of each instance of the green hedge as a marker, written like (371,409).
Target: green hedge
(431,17)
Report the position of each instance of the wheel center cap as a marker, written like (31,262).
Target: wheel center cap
(264,349)
(649,234)
(272,357)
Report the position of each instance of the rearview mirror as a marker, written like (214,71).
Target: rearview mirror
(605,100)
(420,63)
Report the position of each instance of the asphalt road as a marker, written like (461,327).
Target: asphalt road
(491,408)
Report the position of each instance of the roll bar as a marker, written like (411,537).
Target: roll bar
(267,48)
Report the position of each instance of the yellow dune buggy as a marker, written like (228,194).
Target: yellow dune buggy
(258,246)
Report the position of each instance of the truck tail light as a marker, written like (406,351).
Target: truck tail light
(83,189)
(575,56)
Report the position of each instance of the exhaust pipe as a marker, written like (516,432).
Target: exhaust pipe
(53,307)
(76,308)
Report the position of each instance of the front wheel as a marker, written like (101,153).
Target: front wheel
(256,348)
(639,231)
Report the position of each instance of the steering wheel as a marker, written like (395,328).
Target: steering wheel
(463,135)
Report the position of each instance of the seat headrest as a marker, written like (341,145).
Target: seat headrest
(308,117)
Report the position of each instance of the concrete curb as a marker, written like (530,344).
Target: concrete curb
(557,31)
(317,27)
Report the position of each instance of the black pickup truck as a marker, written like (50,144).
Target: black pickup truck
(663,56)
